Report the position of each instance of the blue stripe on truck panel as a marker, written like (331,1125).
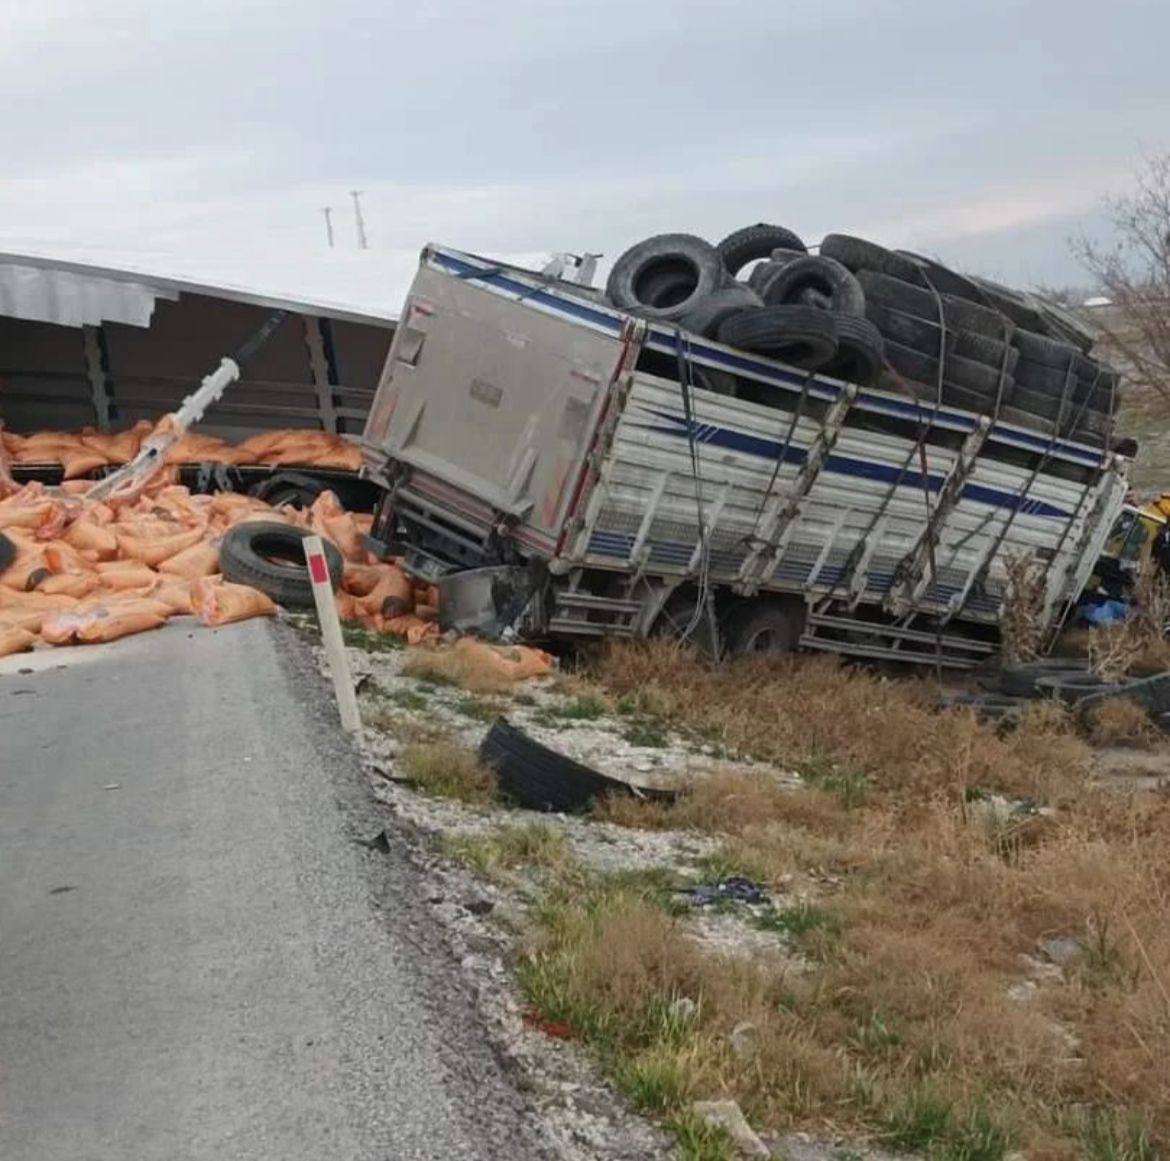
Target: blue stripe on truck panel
(709,434)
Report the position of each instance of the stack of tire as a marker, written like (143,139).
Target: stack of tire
(860,312)
(804,310)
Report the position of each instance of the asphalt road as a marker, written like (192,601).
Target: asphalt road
(197,959)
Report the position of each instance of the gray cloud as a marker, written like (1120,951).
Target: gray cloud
(984,132)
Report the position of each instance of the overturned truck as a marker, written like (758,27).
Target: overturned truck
(702,457)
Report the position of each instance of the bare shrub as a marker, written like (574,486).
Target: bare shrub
(1022,621)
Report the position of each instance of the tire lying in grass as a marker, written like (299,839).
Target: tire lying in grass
(755,242)
(538,778)
(988,707)
(271,557)
(666,276)
(1020,680)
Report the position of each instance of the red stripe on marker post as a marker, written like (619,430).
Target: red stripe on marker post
(318,568)
(330,622)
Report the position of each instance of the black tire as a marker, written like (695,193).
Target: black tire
(1045,351)
(1064,324)
(707,317)
(680,621)
(943,278)
(755,242)
(1020,680)
(967,374)
(1011,303)
(763,272)
(989,707)
(1050,407)
(1087,380)
(293,488)
(7,552)
(538,778)
(800,335)
(860,351)
(764,625)
(1071,689)
(842,292)
(857,254)
(924,336)
(898,295)
(1020,418)
(1092,428)
(666,276)
(269,557)
(965,400)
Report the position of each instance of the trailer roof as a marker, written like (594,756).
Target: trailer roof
(74,286)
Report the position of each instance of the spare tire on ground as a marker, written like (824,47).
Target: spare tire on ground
(666,276)
(270,557)
(755,242)
(800,335)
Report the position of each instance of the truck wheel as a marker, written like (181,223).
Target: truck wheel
(801,335)
(754,242)
(666,276)
(764,626)
(270,557)
(682,621)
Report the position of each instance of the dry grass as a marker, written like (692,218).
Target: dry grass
(448,771)
(1120,722)
(512,847)
(1023,624)
(904,1025)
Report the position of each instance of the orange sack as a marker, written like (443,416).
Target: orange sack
(515,663)
(153,550)
(14,639)
(72,584)
(30,610)
(391,596)
(100,623)
(126,574)
(200,559)
(176,595)
(87,536)
(224,603)
(360,579)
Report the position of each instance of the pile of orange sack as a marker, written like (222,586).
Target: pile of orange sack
(88,571)
(84,452)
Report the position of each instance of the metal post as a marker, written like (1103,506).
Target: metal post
(330,622)
(363,243)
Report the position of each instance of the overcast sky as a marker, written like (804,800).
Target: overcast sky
(984,132)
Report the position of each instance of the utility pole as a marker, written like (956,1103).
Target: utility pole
(328,212)
(356,194)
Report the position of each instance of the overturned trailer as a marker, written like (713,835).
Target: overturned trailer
(561,469)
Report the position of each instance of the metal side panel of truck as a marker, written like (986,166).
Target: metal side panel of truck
(521,423)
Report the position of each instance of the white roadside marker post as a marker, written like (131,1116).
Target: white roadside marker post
(327,618)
